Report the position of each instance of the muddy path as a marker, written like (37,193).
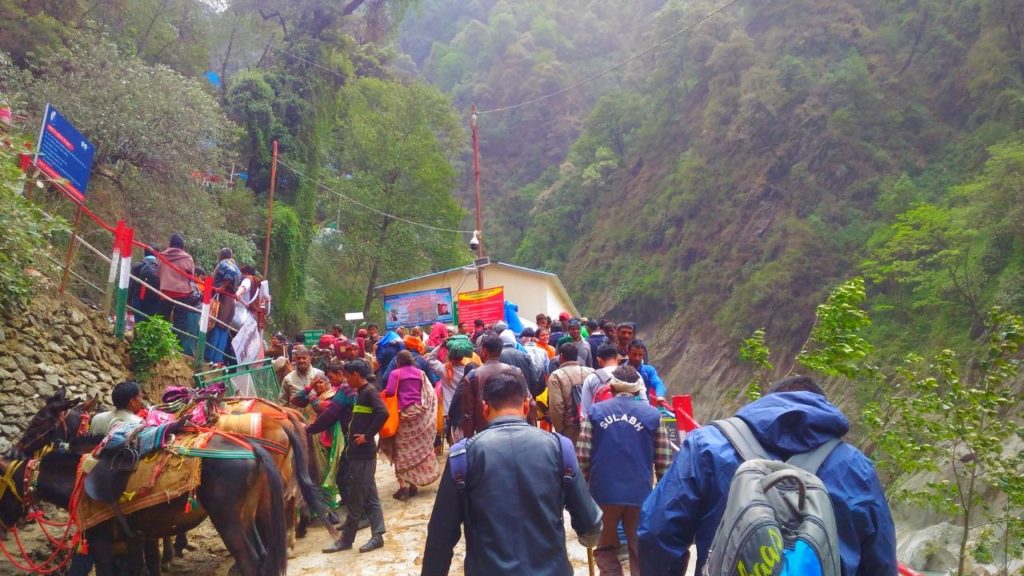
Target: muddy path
(402,554)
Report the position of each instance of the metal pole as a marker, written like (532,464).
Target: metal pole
(71,248)
(479,208)
(270,213)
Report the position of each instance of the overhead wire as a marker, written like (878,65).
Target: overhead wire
(379,212)
(615,67)
(310,62)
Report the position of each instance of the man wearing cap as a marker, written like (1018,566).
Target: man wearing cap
(621,442)
(585,356)
(145,299)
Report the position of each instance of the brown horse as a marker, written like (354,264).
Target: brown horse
(60,419)
(230,494)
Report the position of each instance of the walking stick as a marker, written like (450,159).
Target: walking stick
(590,560)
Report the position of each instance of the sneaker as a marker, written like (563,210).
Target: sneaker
(340,546)
(372,544)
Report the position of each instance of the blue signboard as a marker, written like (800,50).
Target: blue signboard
(64,154)
(418,308)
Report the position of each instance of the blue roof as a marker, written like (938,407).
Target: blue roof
(468,266)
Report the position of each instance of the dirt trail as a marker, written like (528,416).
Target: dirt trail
(402,554)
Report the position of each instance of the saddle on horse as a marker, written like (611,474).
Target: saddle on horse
(117,458)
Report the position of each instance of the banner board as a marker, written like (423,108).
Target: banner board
(418,308)
(487,305)
(64,154)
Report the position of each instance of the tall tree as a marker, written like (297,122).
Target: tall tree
(395,147)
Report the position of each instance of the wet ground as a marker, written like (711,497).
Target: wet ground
(402,554)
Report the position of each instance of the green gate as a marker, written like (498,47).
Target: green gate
(255,378)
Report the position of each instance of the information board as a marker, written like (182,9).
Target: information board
(487,305)
(418,308)
(312,337)
(64,154)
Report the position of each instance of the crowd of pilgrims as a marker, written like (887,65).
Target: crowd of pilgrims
(566,364)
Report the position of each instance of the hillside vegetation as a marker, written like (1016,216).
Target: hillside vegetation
(726,181)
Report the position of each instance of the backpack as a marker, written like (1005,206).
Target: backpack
(455,408)
(577,401)
(603,392)
(778,520)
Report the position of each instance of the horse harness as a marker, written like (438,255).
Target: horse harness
(29,482)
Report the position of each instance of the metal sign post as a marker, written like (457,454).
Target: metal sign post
(71,248)
(353,317)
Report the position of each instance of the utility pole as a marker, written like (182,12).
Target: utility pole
(479,209)
(270,213)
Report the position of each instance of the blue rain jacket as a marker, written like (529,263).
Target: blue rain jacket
(688,503)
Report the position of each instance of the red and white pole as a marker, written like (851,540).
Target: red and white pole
(122,282)
(115,258)
(204,319)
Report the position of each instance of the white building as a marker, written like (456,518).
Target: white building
(533,291)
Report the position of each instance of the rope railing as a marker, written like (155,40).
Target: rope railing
(124,244)
(138,312)
(78,276)
(137,243)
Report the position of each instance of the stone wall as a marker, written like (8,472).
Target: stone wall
(56,342)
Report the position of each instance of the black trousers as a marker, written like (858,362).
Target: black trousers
(362,498)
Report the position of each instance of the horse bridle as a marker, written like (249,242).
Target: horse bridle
(7,485)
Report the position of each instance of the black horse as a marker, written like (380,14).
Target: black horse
(230,494)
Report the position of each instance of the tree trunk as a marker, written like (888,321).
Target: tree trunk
(141,44)
(965,532)
(227,56)
(375,267)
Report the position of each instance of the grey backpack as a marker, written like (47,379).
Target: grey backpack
(778,520)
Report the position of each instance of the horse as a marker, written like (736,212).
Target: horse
(230,493)
(61,419)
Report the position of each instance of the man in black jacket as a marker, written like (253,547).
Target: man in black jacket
(368,415)
(512,496)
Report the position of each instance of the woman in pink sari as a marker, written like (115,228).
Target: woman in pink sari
(411,450)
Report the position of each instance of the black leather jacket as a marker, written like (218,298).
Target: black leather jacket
(512,507)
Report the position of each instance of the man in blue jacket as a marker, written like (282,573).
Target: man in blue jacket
(637,358)
(794,417)
(513,494)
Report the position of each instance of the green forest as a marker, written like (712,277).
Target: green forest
(713,170)
(733,176)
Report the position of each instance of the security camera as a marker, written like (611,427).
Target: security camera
(474,243)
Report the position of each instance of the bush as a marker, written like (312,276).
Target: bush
(26,232)
(154,341)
